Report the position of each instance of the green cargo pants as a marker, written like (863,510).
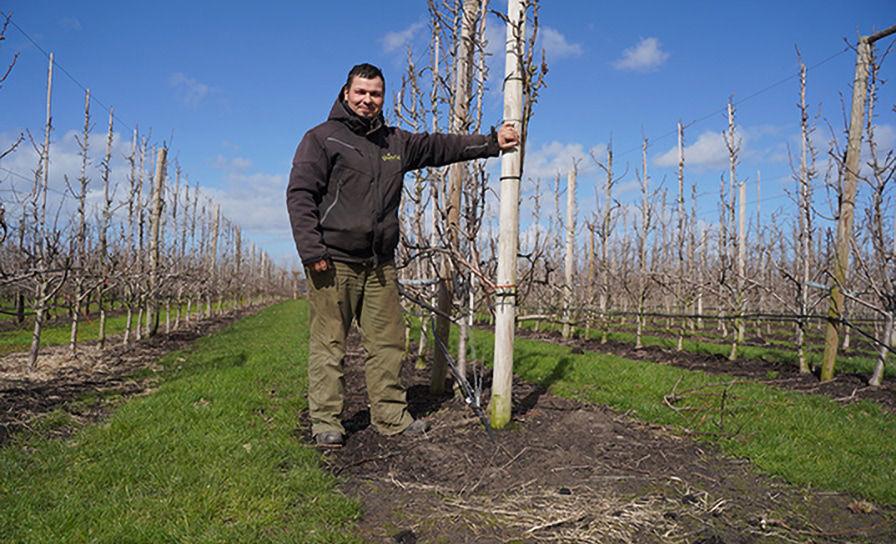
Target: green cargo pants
(347,291)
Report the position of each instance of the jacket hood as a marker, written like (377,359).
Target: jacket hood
(342,113)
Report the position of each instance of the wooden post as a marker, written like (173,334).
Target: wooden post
(238,268)
(695,263)
(130,260)
(80,256)
(590,249)
(741,258)
(680,280)
(39,235)
(508,237)
(155,226)
(805,225)
(213,261)
(732,246)
(569,262)
(140,254)
(840,258)
(103,232)
(606,227)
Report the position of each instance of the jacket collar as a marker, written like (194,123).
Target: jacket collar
(363,127)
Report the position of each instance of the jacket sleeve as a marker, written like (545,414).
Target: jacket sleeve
(424,149)
(307,185)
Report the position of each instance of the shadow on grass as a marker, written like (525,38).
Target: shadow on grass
(221,362)
(558,372)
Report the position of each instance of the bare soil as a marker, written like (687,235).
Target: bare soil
(87,383)
(844,388)
(779,337)
(568,472)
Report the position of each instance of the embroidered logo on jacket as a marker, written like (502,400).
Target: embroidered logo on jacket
(391,157)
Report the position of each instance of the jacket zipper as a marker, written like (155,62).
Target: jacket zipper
(338,141)
(333,205)
(377,205)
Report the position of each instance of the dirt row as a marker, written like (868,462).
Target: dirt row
(62,378)
(568,472)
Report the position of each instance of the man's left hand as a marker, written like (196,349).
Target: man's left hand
(508,138)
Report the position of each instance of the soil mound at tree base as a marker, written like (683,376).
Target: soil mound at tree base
(568,472)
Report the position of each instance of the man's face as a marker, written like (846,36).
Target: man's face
(365,97)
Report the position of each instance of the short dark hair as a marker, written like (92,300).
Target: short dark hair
(365,70)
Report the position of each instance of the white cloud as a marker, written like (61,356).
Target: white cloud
(557,46)
(626,187)
(496,38)
(17,173)
(254,200)
(398,39)
(885,138)
(708,151)
(645,56)
(555,157)
(190,91)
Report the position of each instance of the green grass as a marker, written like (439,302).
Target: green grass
(859,364)
(806,439)
(780,337)
(59,333)
(211,456)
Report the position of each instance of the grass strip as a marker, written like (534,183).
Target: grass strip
(859,364)
(59,333)
(210,456)
(806,439)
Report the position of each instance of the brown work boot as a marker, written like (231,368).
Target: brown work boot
(328,439)
(417,428)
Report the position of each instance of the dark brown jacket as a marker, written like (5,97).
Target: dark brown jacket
(346,182)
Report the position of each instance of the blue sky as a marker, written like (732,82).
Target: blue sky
(233,87)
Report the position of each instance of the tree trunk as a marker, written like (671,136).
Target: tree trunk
(38,327)
(80,241)
(878,375)
(20,307)
(569,261)
(680,280)
(642,246)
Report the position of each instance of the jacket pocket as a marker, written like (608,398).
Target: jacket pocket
(347,217)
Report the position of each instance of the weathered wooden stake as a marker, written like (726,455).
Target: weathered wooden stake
(39,240)
(840,258)
(80,256)
(155,226)
(680,272)
(508,237)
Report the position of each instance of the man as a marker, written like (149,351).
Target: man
(343,199)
